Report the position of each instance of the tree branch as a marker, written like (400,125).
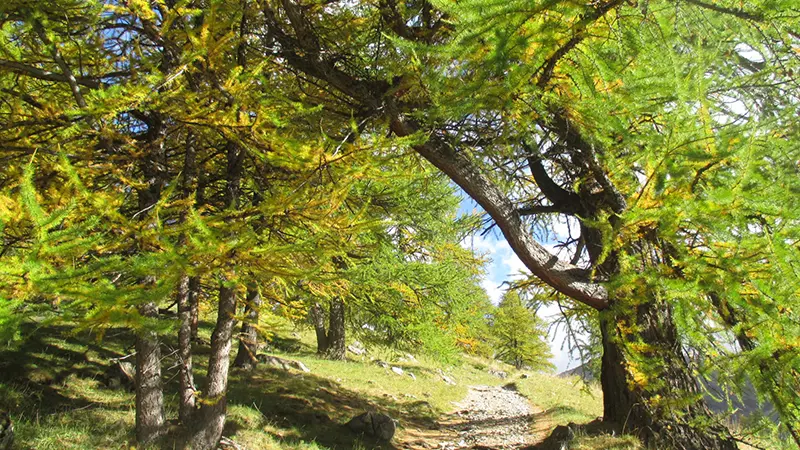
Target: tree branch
(561,198)
(531,210)
(547,69)
(740,13)
(565,278)
(35,72)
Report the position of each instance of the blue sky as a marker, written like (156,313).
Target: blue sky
(505,266)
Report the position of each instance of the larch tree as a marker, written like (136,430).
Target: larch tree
(519,334)
(140,136)
(665,131)
(619,116)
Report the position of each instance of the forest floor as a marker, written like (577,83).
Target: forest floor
(53,386)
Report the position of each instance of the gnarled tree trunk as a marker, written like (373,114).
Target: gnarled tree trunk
(248,340)
(660,403)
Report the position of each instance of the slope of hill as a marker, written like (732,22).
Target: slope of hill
(56,390)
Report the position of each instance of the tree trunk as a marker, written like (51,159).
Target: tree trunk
(248,341)
(209,420)
(194,301)
(149,392)
(186,379)
(336,347)
(654,394)
(149,389)
(317,315)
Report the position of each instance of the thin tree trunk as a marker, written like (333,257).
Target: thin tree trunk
(149,390)
(186,295)
(209,420)
(248,341)
(318,319)
(336,331)
(185,377)
(194,301)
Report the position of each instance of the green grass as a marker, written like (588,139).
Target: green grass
(564,399)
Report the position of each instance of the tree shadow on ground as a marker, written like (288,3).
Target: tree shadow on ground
(306,407)
(41,365)
(54,381)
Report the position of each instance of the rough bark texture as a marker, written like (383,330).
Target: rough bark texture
(149,390)
(194,301)
(649,405)
(336,333)
(185,377)
(318,319)
(248,340)
(209,420)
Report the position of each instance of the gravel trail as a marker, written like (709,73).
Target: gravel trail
(492,417)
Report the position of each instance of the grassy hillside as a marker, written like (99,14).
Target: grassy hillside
(53,386)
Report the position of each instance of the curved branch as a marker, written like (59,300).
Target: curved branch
(564,200)
(565,278)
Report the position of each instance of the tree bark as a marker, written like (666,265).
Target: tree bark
(194,302)
(149,390)
(209,420)
(248,341)
(185,376)
(336,331)
(662,404)
(317,314)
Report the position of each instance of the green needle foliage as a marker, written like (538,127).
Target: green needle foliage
(271,145)
(520,335)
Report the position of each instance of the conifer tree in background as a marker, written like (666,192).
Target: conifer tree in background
(520,335)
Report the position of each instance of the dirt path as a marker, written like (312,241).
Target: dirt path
(489,417)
